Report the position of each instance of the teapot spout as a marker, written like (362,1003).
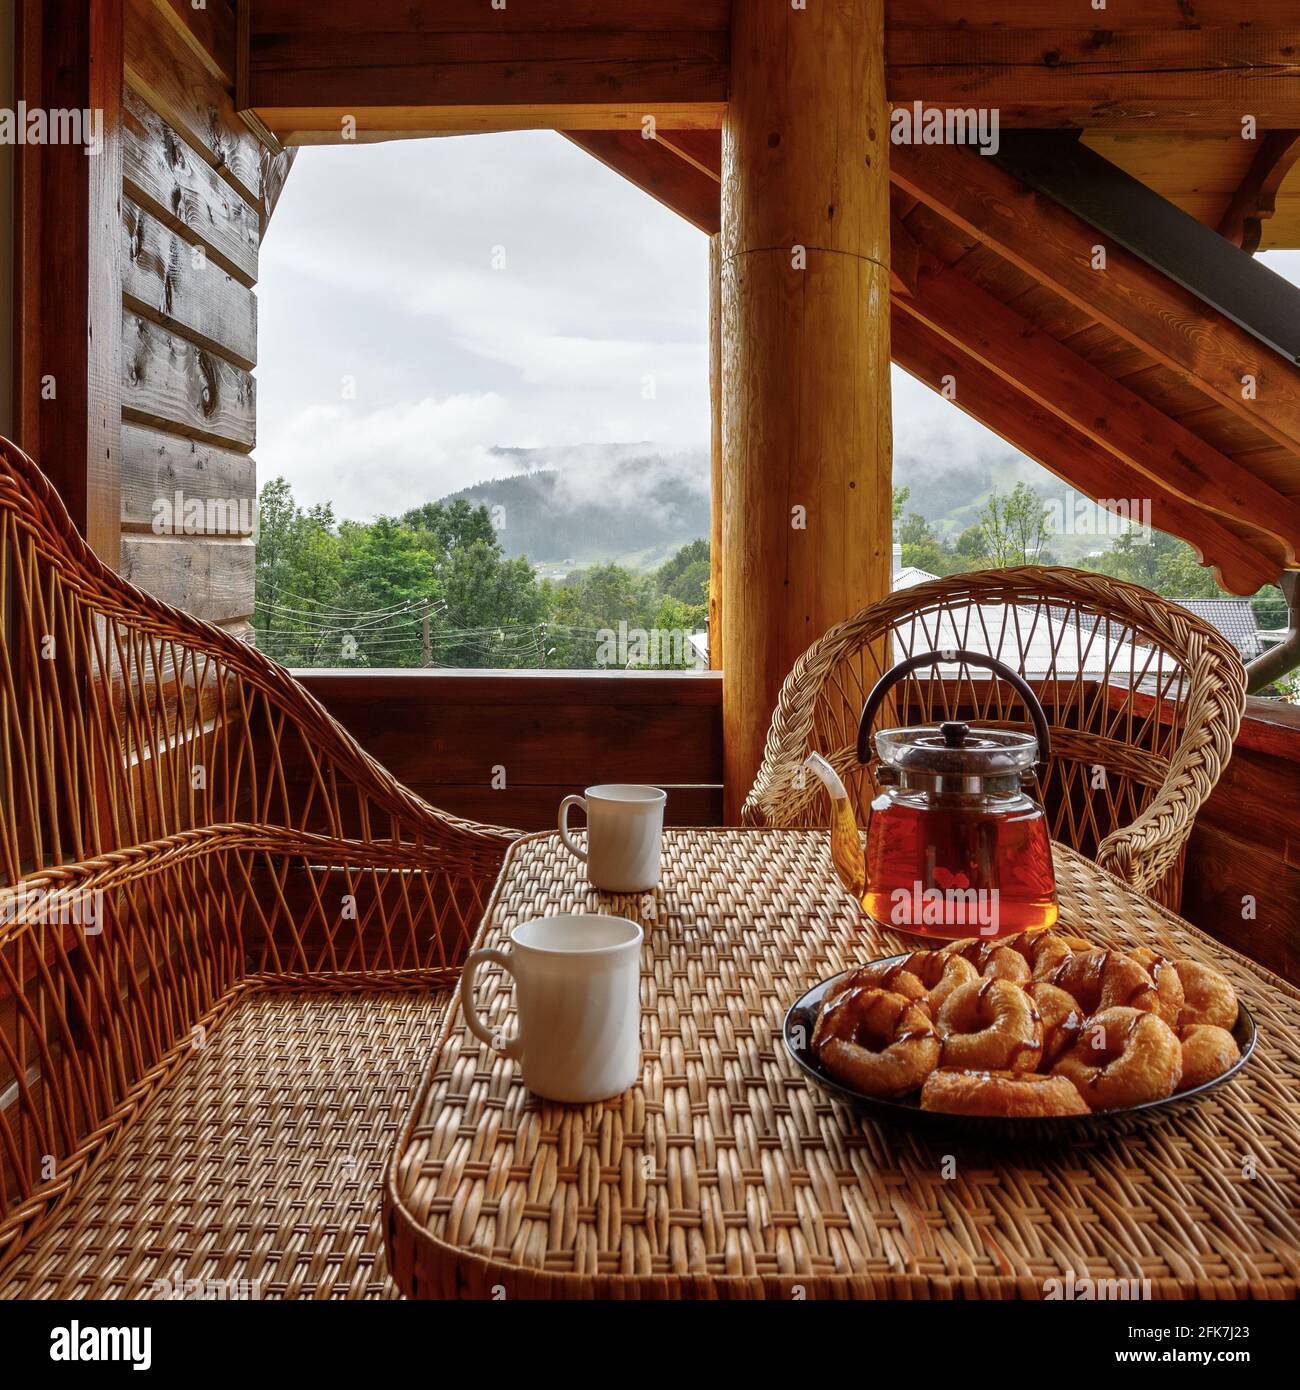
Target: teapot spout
(846,843)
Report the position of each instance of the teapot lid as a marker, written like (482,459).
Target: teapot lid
(954,749)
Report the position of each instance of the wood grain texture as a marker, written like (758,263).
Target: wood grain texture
(443,732)
(475,17)
(68,382)
(717,477)
(805,349)
(164,69)
(208,28)
(156,464)
(207,579)
(1240,564)
(166,175)
(487,68)
(1129,297)
(169,278)
(658,171)
(175,384)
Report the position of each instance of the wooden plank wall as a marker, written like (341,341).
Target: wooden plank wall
(1246,844)
(447,735)
(192,220)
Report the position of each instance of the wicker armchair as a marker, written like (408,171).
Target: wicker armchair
(215,991)
(1143,701)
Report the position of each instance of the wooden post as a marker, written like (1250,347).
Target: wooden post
(806,435)
(716,485)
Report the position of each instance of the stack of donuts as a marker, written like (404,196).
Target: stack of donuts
(1029,1025)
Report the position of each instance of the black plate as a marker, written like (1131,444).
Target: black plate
(798,1031)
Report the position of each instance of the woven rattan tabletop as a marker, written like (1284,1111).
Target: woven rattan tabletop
(724,1173)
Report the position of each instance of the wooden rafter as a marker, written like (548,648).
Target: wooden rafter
(1240,565)
(1256,198)
(463,64)
(1147,441)
(1132,299)
(658,170)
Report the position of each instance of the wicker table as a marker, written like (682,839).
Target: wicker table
(724,1173)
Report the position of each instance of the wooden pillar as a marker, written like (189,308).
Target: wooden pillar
(806,435)
(716,486)
(68,299)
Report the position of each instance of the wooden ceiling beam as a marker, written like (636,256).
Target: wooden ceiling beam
(1152,445)
(1129,297)
(1240,565)
(463,65)
(659,171)
(1256,198)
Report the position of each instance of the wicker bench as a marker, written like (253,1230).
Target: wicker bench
(215,995)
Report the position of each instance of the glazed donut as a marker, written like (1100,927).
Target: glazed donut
(1169,987)
(893,975)
(957,971)
(1006,963)
(990,1025)
(1043,951)
(1123,1057)
(1062,1018)
(1001,1093)
(883,1044)
(1208,997)
(1105,980)
(1207,1052)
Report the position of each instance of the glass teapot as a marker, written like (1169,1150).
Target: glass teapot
(955,846)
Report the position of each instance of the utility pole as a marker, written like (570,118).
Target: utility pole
(426,643)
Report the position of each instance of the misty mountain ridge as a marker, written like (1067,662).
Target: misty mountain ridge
(567,506)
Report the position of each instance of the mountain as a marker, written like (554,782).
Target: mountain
(633,503)
(637,504)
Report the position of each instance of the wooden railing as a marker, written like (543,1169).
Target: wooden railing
(505,746)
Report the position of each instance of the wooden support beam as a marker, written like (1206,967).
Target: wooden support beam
(806,435)
(1241,565)
(1153,445)
(1170,324)
(717,477)
(69,289)
(1256,198)
(659,171)
(465,65)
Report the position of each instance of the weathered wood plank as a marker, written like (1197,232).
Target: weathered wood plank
(163,173)
(321,125)
(172,382)
(163,68)
(209,579)
(157,465)
(167,276)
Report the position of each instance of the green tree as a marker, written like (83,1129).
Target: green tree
(1014,529)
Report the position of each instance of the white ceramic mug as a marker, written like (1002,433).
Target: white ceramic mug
(625,830)
(578,1004)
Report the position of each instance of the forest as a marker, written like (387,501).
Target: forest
(435,587)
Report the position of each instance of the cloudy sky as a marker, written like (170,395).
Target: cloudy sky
(421,301)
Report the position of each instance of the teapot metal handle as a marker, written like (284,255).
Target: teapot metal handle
(954,655)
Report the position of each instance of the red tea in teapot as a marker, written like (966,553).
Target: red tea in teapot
(952,871)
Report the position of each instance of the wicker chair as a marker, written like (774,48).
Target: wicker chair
(1143,701)
(227,937)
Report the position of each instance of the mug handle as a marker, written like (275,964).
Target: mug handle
(565,805)
(508,1047)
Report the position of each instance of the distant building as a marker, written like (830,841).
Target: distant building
(1234,618)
